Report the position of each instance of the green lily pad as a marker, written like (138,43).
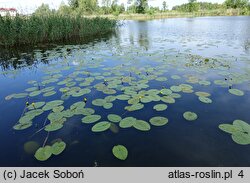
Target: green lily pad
(107,105)
(58,109)
(123,97)
(229,128)
(160,107)
(87,111)
(53,127)
(241,138)
(141,125)
(175,88)
(58,147)
(127,122)
(19,95)
(166,91)
(26,119)
(22,126)
(98,102)
(101,126)
(236,92)
(158,121)
(239,130)
(35,93)
(50,105)
(190,116)
(36,105)
(205,100)
(134,107)
(120,152)
(43,153)
(202,94)
(114,118)
(91,119)
(50,93)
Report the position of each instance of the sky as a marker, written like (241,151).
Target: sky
(31,5)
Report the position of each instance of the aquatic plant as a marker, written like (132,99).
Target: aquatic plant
(50,28)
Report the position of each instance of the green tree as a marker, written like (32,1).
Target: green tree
(192,5)
(236,3)
(84,6)
(43,10)
(74,4)
(141,6)
(164,6)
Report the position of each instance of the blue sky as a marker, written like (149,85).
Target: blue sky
(30,5)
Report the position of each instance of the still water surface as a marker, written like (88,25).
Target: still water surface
(150,53)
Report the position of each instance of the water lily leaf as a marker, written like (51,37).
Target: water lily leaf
(34,113)
(58,147)
(55,116)
(241,138)
(190,116)
(205,100)
(31,89)
(146,99)
(98,102)
(53,127)
(244,126)
(107,105)
(22,126)
(175,77)
(141,125)
(47,89)
(160,107)
(229,128)
(35,93)
(202,94)
(110,99)
(166,91)
(19,95)
(58,109)
(50,105)
(43,153)
(26,119)
(77,105)
(127,122)
(123,97)
(158,121)
(236,92)
(168,99)
(50,93)
(114,118)
(204,82)
(134,107)
(161,79)
(240,131)
(91,119)
(101,126)
(87,111)
(36,105)
(175,88)
(120,152)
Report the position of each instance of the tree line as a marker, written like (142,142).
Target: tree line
(89,7)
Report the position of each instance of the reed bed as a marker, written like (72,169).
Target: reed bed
(31,30)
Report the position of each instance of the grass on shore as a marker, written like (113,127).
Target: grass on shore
(31,30)
(176,14)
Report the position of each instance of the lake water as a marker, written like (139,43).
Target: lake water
(208,54)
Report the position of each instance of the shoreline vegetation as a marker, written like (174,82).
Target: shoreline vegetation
(52,28)
(81,19)
(171,14)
